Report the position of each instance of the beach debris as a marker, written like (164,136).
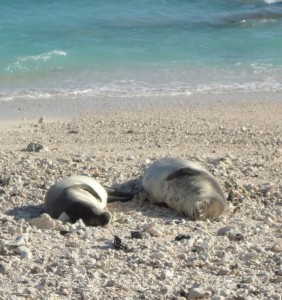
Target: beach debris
(199,292)
(153,229)
(41,120)
(276,247)
(180,237)
(4,267)
(24,252)
(154,232)
(236,237)
(17,246)
(73,131)
(49,282)
(110,283)
(166,274)
(229,231)
(64,232)
(136,234)
(118,244)
(36,147)
(12,244)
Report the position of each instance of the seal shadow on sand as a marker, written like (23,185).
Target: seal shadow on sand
(26,212)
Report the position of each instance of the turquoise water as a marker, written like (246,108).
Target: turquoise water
(84,48)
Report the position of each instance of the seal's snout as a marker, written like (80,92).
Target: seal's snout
(105,218)
(101,219)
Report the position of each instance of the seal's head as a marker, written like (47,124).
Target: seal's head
(90,215)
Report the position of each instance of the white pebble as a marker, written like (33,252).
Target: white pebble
(43,222)
(199,293)
(154,232)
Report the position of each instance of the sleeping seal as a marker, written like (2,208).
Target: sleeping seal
(184,186)
(81,197)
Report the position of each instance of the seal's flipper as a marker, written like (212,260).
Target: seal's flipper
(90,190)
(114,195)
(183,171)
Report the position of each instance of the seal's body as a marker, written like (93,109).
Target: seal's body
(80,197)
(184,186)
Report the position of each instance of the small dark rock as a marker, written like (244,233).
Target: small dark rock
(136,235)
(183,292)
(238,237)
(180,237)
(73,131)
(118,244)
(34,147)
(197,249)
(231,196)
(64,232)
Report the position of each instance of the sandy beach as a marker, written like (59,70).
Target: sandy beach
(237,137)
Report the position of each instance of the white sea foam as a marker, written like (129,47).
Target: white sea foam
(137,89)
(25,64)
(272,1)
(43,56)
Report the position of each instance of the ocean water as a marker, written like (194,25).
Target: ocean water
(87,48)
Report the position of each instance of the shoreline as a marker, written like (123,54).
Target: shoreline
(70,108)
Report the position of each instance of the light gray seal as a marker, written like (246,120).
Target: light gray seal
(184,186)
(81,197)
